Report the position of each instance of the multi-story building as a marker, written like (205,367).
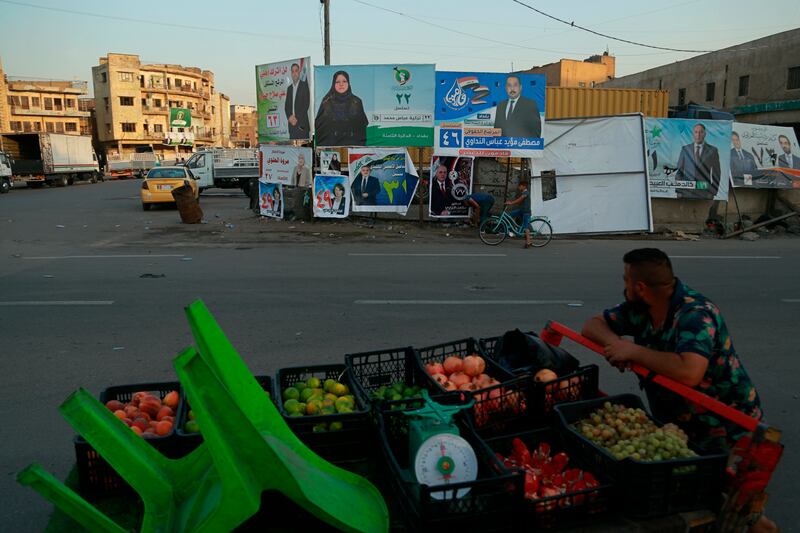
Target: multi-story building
(30,106)
(244,126)
(133,102)
(576,73)
(757,81)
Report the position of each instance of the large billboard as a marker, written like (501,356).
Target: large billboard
(288,165)
(382,179)
(283,99)
(764,157)
(688,158)
(374,105)
(489,114)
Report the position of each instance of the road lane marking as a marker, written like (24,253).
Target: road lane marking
(120,256)
(791,300)
(469,302)
(465,254)
(725,257)
(22,303)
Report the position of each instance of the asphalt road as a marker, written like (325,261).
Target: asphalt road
(287,301)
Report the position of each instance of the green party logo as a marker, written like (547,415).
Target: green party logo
(402,75)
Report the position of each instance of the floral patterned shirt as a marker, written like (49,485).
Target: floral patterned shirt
(693,324)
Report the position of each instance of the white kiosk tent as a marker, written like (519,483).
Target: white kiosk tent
(593,177)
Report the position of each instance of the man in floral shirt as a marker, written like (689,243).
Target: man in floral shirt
(680,334)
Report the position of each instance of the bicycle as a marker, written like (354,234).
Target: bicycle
(495,229)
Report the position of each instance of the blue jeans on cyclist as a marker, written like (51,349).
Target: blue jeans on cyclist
(526,218)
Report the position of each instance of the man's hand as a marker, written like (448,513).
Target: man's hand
(621,352)
(509,202)
(364,195)
(293,120)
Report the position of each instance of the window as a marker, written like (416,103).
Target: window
(793,79)
(35,101)
(24,102)
(108,128)
(581,84)
(157,102)
(37,126)
(59,127)
(141,81)
(16,126)
(126,76)
(126,100)
(57,104)
(156,81)
(710,89)
(49,127)
(128,127)
(144,102)
(178,83)
(69,103)
(26,127)
(48,104)
(681,96)
(71,126)
(103,77)
(158,128)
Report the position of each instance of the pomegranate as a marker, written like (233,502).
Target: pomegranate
(544,375)
(434,368)
(453,364)
(459,378)
(474,365)
(440,378)
(449,386)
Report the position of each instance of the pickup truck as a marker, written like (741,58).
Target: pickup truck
(50,158)
(224,167)
(136,166)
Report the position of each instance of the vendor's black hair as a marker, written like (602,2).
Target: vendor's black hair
(650,265)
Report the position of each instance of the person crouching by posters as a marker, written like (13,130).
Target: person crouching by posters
(481,204)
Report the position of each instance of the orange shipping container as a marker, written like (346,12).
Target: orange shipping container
(571,102)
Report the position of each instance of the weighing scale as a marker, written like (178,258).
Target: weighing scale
(439,455)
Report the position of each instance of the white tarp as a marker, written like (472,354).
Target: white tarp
(601,183)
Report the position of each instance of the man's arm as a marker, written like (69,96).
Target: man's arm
(597,330)
(686,367)
(515,201)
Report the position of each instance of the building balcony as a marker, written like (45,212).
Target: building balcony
(157,110)
(38,111)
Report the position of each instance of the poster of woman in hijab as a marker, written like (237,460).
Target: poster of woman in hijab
(374,105)
(270,199)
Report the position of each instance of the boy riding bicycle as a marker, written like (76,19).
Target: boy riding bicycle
(523,200)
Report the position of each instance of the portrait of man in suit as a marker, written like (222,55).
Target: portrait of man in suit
(699,162)
(365,187)
(440,192)
(786,159)
(742,161)
(298,98)
(518,116)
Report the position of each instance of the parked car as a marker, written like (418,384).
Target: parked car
(159,182)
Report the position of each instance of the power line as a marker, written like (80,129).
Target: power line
(572,24)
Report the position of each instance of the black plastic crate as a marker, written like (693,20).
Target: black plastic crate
(583,384)
(499,408)
(94,473)
(486,507)
(351,442)
(186,441)
(567,510)
(649,488)
(372,370)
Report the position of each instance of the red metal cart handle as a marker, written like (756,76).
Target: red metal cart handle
(554,332)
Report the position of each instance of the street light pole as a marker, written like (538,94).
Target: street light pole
(327,8)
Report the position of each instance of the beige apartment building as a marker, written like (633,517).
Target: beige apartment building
(244,126)
(132,103)
(578,73)
(32,106)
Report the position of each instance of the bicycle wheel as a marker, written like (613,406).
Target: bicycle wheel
(493,231)
(541,232)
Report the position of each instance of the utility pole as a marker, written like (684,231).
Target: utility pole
(327,7)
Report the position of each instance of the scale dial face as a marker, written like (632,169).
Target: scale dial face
(445,459)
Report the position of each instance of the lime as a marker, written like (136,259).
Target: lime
(335,426)
(399,387)
(191,427)
(300,385)
(339,389)
(191,414)
(319,428)
(291,394)
(313,407)
(291,406)
(331,397)
(305,394)
(329,384)
(343,402)
(312,383)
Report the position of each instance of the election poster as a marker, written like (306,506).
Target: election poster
(382,180)
(374,105)
(331,196)
(180,117)
(688,158)
(450,183)
(330,162)
(489,114)
(270,199)
(283,100)
(764,157)
(287,165)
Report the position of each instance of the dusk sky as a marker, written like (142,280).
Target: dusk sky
(63,40)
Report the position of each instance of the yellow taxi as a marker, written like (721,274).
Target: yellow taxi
(157,186)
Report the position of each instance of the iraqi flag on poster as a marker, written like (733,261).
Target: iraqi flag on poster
(382,180)
(270,199)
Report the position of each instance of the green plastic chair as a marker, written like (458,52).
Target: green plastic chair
(247,449)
